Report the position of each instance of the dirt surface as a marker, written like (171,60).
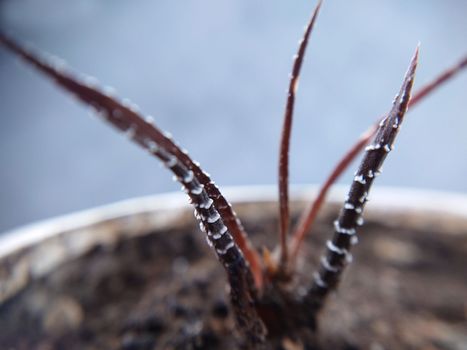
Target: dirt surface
(404,290)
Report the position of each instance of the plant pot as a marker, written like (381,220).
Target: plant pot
(138,275)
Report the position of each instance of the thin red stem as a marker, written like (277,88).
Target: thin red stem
(438,81)
(309,216)
(285,140)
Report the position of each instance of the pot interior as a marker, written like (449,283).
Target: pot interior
(403,252)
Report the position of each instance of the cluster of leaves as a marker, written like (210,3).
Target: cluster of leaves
(256,282)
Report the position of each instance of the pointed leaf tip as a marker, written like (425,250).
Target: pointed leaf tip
(413,63)
(402,99)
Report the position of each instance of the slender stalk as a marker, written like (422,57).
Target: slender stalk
(285,140)
(337,254)
(126,118)
(438,81)
(309,215)
(228,214)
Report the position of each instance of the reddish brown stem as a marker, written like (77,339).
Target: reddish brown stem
(307,219)
(91,97)
(285,140)
(309,215)
(126,118)
(438,81)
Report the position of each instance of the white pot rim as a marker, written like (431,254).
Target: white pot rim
(35,250)
(382,199)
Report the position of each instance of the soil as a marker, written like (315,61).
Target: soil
(166,290)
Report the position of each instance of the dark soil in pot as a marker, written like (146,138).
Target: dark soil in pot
(406,289)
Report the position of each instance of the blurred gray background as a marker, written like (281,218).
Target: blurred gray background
(214,73)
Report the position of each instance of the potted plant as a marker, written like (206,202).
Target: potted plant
(275,302)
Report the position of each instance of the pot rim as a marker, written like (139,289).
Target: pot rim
(33,251)
(383,199)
